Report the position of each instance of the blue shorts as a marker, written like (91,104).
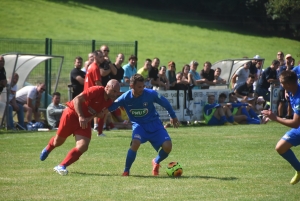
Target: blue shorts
(215,121)
(292,136)
(154,132)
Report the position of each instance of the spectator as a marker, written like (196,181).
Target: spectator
(241,75)
(153,73)
(3,81)
(171,74)
(293,62)
(54,111)
(217,78)
(106,67)
(29,97)
(188,80)
(255,69)
(283,100)
(130,69)
(245,92)
(88,62)
(208,74)
(215,114)
(144,71)
(163,78)
(280,58)
(77,77)
(268,76)
(120,71)
(195,75)
(14,106)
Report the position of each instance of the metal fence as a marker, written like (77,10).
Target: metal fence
(67,48)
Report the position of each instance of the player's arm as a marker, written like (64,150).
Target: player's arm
(233,80)
(293,123)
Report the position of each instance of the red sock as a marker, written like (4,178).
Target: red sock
(71,157)
(111,125)
(50,145)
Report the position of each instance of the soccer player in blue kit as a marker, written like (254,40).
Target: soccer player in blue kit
(289,81)
(146,125)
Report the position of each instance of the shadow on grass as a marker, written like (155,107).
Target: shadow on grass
(168,16)
(159,177)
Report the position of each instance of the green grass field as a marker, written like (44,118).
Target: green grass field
(219,163)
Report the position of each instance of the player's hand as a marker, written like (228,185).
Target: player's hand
(83,122)
(175,122)
(270,114)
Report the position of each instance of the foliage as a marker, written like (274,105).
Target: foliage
(219,163)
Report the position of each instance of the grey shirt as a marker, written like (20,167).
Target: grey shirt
(54,113)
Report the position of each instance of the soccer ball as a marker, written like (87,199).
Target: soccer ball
(174,169)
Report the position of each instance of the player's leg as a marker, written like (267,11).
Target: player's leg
(229,116)
(55,141)
(131,155)
(28,111)
(220,116)
(283,147)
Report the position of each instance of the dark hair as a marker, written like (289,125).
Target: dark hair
(288,77)
(136,78)
(132,57)
(186,65)
(56,94)
(222,95)
(231,94)
(275,62)
(208,63)
(251,76)
(78,58)
(162,67)
(149,60)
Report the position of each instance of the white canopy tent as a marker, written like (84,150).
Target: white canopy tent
(23,64)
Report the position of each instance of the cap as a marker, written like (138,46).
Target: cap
(288,55)
(260,99)
(194,63)
(256,57)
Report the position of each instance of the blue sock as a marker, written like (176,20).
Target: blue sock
(162,155)
(253,114)
(223,119)
(230,119)
(129,160)
(245,112)
(252,121)
(291,158)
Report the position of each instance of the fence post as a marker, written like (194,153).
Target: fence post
(47,66)
(93,45)
(136,48)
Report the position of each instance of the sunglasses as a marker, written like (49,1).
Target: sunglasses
(106,50)
(43,89)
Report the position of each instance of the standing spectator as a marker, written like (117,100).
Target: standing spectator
(208,74)
(77,77)
(268,77)
(29,97)
(171,74)
(88,62)
(14,106)
(3,81)
(282,100)
(280,58)
(120,70)
(288,79)
(54,111)
(217,78)
(139,105)
(76,120)
(241,75)
(144,71)
(106,67)
(153,73)
(130,69)
(188,80)
(163,78)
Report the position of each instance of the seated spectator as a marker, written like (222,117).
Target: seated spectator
(245,92)
(153,74)
(3,81)
(171,75)
(14,106)
(144,71)
(241,75)
(120,119)
(208,74)
(215,114)
(54,111)
(195,75)
(217,78)
(163,78)
(30,97)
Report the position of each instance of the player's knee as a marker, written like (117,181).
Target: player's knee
(135,144)
(167,146)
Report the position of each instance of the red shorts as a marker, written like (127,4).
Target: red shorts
(69,124)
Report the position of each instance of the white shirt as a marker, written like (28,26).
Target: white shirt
(26,92)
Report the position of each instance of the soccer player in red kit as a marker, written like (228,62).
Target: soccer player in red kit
(76,118)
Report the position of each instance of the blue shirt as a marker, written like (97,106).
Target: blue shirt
(195,75)
(129,71)
(141,109)
(297,71)
(295,101)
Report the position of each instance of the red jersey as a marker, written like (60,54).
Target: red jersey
(94,101)
(92,75)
